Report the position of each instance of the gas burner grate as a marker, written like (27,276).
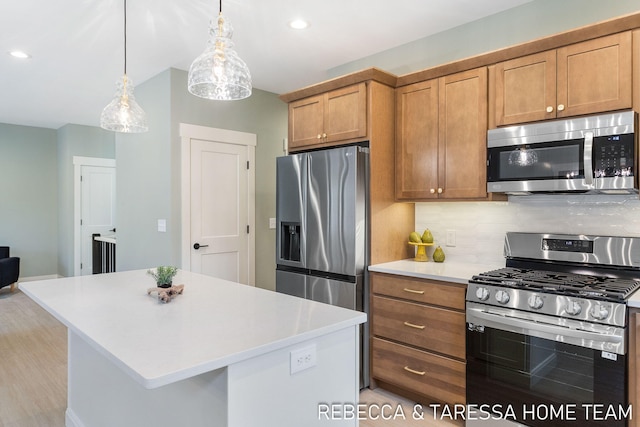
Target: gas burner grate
(596,287)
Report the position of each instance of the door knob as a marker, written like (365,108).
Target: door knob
(439,190)
(561,107)
(197,246)
(549,109)
(432,191)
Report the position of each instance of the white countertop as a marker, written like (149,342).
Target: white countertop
(634,301)
(456,272)
(213,324)
(448,271)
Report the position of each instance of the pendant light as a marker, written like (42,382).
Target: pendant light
(123,114)
(219,73)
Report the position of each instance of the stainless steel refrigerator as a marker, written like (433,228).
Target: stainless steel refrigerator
(322,230)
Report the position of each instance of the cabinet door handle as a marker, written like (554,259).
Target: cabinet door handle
(432,191)
(439,190)
(413,291)
(549,109)
(561,107)
(319,136)
(411,325)
(324,135)
(413,371)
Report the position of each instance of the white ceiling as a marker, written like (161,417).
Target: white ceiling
(77,45)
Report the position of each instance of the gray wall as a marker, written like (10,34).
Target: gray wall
(28,197)
(530,21)
(143,182)
(262,114)
(149,170)
(75,140)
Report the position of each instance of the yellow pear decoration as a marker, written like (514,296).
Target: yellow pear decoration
(438,255)
(427,237)
(414,237)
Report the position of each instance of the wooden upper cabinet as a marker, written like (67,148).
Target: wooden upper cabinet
(525,88)
(441,129)
(462,152)
(583,78)
(595,75)
(346,113)
(337,115)
(417,140)
(306,121)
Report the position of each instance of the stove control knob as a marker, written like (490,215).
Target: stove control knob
(502,297)
(482,294)
(573,308)
(599,312)
(535,302)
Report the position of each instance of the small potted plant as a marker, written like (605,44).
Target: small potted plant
(164,275)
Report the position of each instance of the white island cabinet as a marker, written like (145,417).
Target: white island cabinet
(221,354)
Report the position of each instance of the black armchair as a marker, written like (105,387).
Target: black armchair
(9,268)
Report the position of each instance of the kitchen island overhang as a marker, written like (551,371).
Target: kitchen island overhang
(220,352)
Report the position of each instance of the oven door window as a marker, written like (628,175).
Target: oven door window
(542,161)
(533,374)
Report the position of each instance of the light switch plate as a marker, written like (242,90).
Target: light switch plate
(272,223)
(162,225)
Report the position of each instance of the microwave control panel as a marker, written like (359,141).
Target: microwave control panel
(613,156)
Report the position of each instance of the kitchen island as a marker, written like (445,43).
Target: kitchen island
(220,354)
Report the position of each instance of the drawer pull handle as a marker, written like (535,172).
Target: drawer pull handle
(413,371)
(413,291)
(411,325)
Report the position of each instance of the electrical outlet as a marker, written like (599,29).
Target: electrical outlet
(451,237)
(303,358)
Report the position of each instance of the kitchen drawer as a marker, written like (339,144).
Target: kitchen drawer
(437,377)
(419,290)
(432,328)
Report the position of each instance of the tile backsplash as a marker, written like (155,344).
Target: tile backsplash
(480,226)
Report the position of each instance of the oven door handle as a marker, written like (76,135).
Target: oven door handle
(533,325)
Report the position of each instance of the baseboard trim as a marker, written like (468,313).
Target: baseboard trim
(34,278)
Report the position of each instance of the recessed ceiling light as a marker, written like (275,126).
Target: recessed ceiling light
(298,24)
(19,54)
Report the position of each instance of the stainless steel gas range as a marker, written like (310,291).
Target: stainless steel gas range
(547,334)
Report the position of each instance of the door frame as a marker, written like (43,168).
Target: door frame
(225,136)
(78,162)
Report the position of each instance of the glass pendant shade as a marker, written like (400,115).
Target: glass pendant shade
(219,73)
(123,114)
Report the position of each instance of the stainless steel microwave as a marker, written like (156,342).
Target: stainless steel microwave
(591,154)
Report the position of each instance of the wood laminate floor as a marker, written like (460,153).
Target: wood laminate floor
(33,364)
(33,374)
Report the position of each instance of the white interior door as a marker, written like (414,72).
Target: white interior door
(221,206)
(98,196)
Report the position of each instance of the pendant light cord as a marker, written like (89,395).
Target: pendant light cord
(125,36)
(220,6)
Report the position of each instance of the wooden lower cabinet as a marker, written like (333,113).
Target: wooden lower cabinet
(418,338)
(419,371)
(433,328)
